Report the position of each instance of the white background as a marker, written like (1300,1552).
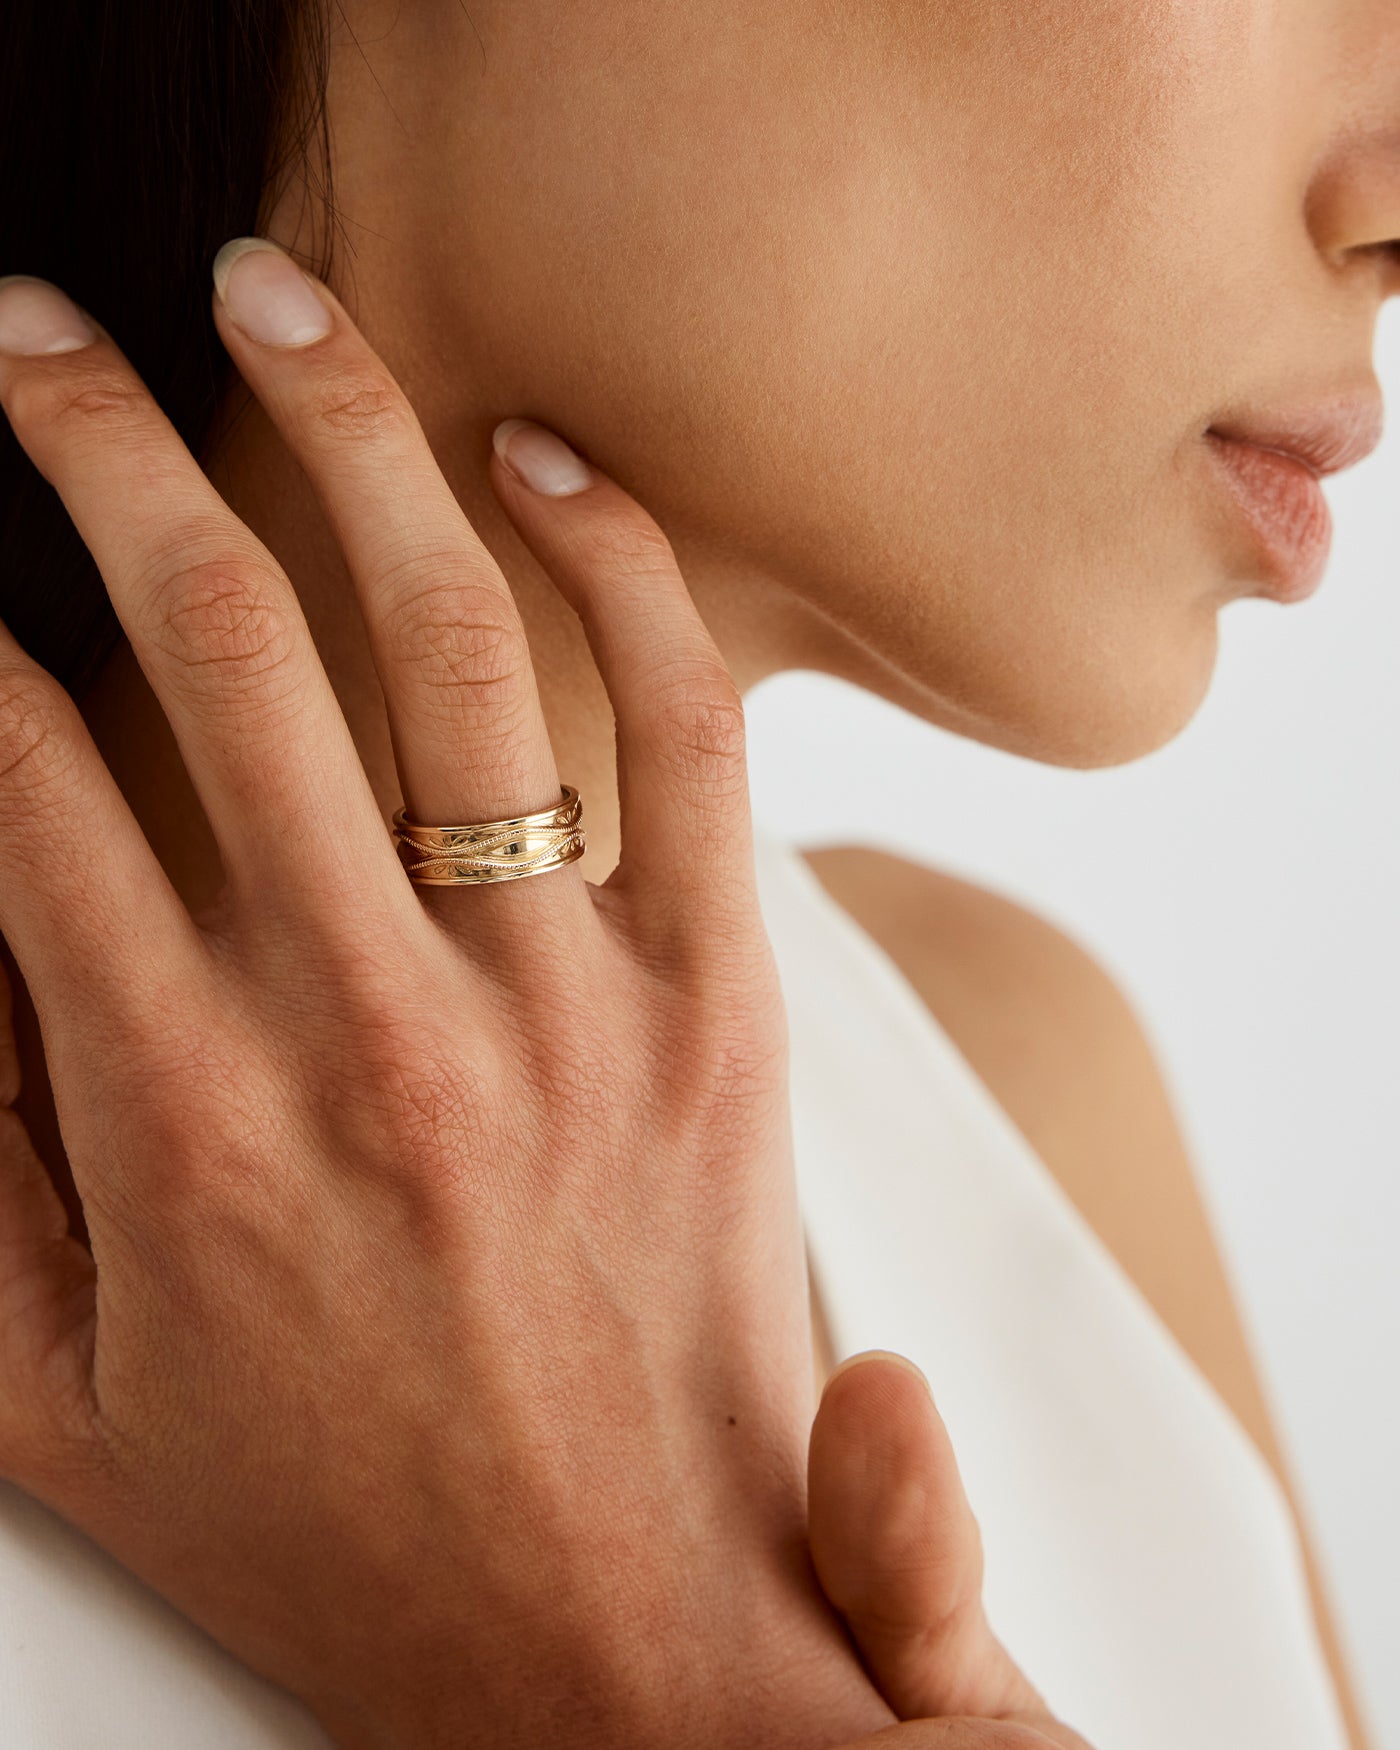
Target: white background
(1243,885)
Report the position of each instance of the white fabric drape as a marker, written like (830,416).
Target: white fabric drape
(1142,1562)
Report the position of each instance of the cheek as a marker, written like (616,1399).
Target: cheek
(920,315)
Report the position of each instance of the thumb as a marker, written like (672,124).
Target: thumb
(957,1735)
(47,1282)
(897,1548)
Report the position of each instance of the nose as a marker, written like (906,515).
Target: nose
(1353,208)
(1352,203)
(1353,193)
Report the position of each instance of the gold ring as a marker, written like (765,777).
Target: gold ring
(491,850)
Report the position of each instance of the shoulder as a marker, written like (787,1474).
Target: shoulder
(1036,1015)
(1065,1053)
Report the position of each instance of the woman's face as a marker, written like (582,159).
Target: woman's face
(908,318)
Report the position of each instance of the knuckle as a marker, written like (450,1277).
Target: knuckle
(636,547)
(413,1112)
(36,733)
(703,732)
(737,1043)
(710,1093)
(207,1110)
(53,1446)
(461,639)
(221,620)
(358,404)
(102,399)
(425,1110)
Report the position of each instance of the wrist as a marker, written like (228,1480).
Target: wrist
(694,1679)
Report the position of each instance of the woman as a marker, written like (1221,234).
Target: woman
(447,1357)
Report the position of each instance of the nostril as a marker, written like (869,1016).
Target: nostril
(1352,207)
(1385,259)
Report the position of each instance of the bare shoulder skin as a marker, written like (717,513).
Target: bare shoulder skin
(1063,1051)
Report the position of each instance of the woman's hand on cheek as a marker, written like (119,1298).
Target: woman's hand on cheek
(443,1349)
(899,1554)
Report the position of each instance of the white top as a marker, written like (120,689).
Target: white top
(1141,1561)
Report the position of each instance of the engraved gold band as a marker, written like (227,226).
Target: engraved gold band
(492,850)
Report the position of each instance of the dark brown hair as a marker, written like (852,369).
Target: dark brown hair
(137,136)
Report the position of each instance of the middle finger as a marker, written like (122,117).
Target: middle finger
(469,734)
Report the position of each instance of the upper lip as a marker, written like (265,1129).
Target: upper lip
(1325,437)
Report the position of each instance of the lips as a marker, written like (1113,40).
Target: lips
(1273,467)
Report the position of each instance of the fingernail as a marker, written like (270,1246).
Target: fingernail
(268,295)
(903,1361)
(36,318)
(544,462)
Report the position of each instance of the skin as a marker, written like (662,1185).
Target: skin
(961,259)
(899,1553)
(929,304)
(532,1406)
(445,1261)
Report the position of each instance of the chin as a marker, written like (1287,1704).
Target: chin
(1146,708)
(1124,730)
(1059,706)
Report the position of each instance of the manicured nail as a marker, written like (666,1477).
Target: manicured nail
(36,318)
(268,295)
(544,462)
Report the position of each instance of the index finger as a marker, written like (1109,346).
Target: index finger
(213,620)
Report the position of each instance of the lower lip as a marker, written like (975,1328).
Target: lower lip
(1283,504)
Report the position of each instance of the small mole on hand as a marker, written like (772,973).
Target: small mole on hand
(733,1421)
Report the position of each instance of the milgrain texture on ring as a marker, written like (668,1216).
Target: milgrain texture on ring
(492,850)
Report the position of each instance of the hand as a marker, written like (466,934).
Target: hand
(899,1554)
(443,1345)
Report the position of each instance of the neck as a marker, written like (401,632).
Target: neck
(260,481)
(405,270)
